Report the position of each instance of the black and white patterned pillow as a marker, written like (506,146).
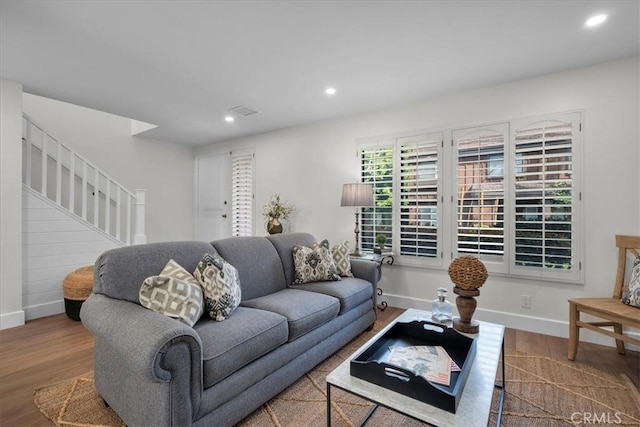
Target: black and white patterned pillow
(221,286)
(341,259)
(174,293)
(314,264)
(632,296)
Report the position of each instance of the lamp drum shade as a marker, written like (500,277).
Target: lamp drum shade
(357,194)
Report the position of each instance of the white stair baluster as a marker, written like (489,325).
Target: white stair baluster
(43,190)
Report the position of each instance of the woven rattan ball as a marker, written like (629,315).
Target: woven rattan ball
(467,272)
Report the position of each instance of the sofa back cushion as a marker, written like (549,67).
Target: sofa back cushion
(258,264)
(284,244)
(119,273)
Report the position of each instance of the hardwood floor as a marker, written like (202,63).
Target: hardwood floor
(53,349)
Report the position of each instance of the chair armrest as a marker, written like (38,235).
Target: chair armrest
(139,348)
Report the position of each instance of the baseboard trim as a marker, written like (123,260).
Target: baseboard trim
(539,325)
(44,310)
(11,320)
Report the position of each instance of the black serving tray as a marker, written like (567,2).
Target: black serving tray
(370,363)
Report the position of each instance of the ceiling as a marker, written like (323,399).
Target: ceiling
(182,64)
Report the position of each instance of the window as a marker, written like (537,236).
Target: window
(480,192)
(546,196)
(242,193)
(376,166)
(512,196)
(419,187)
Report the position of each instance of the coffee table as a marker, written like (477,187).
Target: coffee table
(475,403)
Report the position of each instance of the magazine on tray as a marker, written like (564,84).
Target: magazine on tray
(433,363)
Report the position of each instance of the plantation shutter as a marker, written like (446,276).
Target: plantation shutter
(376,168)
(419,189)
(242,193)
(546,198)
(480,191)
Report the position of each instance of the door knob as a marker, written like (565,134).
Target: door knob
(224,215)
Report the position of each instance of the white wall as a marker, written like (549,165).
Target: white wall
(55,243)
(11,313)
(309,164)
(165,170)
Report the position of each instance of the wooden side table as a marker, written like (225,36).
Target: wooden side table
(379,259)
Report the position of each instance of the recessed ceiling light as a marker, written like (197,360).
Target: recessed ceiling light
(330,91)
(595,20)
(229,119)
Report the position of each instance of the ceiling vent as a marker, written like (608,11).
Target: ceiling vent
(243,110)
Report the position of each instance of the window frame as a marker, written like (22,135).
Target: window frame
(574,275)
(404,259)
(365,213)
(396,144)
(447,242)
(492,263)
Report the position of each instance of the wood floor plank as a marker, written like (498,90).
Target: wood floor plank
(42,352)
(52,349)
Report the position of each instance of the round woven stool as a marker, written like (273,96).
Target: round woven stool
(77,287)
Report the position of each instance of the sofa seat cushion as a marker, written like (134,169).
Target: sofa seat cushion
(304,310)
(247,335)
(350,291)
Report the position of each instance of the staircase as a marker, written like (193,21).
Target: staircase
(72,212)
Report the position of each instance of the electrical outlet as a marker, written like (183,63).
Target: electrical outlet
(525,301)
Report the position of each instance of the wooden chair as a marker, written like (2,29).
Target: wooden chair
(615,313)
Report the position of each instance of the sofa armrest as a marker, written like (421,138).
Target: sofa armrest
(144,359)
(367,270)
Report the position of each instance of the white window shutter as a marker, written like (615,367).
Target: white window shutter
(546,197)
(376,168)
(419,192)
(480,193)
(242,193)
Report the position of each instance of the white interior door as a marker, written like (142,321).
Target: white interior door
(213,197)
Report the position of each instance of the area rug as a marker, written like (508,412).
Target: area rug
(540,391)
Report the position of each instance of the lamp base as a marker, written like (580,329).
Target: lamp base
(356,250)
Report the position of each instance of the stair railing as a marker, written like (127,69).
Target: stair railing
(60,174)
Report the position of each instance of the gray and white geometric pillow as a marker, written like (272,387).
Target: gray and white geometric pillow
(174,293)
(314,264)
(340,254)
(221,286)
(632,296)
(175,270)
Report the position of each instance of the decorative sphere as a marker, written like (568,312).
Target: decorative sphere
(468,272)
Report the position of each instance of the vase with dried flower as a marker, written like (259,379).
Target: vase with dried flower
(274,211)
(468,273)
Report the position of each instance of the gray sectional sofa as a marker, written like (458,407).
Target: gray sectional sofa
(154,370)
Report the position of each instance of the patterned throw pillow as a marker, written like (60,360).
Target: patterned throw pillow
(175,270)
(174,293)
(632,296)
(221,286)
(340,254)
(314,264)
